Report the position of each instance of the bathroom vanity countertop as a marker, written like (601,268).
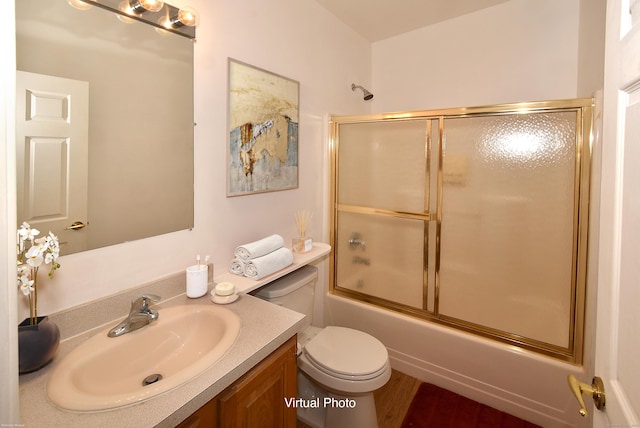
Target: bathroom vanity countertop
(245,285)
(265,327)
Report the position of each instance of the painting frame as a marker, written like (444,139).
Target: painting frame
(262,129)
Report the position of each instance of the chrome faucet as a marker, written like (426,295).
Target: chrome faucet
(139,315)
(356,241)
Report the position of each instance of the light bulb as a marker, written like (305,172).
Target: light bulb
(185,17)
(141,6)
(188,17)
(125,7)
(79,4)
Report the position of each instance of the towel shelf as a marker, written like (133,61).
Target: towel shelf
(245,285)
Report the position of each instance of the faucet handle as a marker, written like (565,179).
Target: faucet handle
(152,297)
(142,302)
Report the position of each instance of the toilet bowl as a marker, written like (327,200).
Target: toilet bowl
(339,367)
(345,360)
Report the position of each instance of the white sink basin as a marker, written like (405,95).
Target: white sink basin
(106,373)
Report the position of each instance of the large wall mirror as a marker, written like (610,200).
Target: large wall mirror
(104,125)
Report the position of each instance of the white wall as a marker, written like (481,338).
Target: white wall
(591,47)
(520,50)
(297,39)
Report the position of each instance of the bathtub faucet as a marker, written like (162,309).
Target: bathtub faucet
(356,241)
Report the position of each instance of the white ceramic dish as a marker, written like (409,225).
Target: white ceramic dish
(223,300)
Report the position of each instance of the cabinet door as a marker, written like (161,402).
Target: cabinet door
(258,398)
(205,417)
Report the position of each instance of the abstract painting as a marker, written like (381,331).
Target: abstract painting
(263,131)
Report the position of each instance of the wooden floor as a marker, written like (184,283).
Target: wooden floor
(392,400)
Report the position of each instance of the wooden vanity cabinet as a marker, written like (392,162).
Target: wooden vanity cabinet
(205,417)
(257,399)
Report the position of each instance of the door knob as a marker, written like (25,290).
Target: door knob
(596,390)
(75,226)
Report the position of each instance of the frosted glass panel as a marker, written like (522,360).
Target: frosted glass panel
(381,256)
(473,217)
(507,230)
(382,165)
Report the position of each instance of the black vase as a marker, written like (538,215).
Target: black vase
(37,344)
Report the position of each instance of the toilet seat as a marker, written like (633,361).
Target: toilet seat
(347,354)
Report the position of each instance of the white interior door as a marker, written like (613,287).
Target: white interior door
(52,132)
(618,314)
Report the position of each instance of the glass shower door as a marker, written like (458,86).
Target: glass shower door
(382,211)
(508,223)
(475,218)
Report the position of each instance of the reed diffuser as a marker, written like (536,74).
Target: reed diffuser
(302,244)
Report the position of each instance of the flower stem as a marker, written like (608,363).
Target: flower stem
(34,306)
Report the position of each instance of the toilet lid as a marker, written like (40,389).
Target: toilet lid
(347,352)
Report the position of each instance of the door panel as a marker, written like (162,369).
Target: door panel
(52,153)
(617,345)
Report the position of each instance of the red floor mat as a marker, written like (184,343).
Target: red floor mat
(434,407)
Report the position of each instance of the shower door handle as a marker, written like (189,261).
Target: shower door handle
(596,390)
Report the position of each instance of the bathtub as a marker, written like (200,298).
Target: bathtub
(522,383)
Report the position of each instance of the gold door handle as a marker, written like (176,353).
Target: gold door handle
(596,390)
(75,226)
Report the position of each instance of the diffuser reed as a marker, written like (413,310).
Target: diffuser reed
(302,221)
(302,243)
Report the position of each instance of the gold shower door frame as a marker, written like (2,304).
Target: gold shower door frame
(432,219)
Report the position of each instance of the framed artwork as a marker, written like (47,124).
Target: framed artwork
(263,131)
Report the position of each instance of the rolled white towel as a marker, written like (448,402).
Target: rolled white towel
(259,248)
(266,265)
(237,266)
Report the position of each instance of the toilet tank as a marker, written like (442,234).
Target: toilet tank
(293,291)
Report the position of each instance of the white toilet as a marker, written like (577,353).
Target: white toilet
(339,368)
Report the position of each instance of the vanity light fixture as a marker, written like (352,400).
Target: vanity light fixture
(125,7)
(182,21)
(185,16)
(137,8)
(180,18)
(141,6)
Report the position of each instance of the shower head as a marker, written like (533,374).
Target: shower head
(367,95)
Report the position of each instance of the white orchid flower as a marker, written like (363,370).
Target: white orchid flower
(53,245)
(27,233)
(34,256)
(23,269)
(45,249)
(26,285)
